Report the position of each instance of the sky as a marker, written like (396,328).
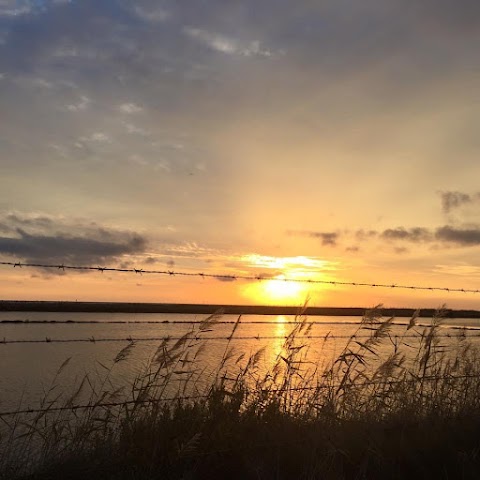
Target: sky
(332,140)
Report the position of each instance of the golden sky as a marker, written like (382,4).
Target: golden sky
(332,140)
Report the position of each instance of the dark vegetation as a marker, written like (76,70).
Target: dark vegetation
(208,309)
(386,407)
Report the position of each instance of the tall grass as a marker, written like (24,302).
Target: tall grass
(386,406)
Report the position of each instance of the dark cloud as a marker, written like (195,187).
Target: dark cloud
(453,200)
(458,236)
(268,275)
(226,278)
(327,238)
(365,234)
(442,236)
(150,261)
(70,249)
(38,221)
(416,234)
(43,239)
(126,265)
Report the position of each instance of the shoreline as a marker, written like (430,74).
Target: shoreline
(206,309)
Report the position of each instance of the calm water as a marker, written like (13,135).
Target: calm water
(27,369)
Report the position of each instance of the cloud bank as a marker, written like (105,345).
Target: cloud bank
(46,240)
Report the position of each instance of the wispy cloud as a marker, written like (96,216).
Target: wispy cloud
(326,238)
(79,106)
(135,130)
(454,200)
(130,108)
(16,8)
(152,13)
(12,8)
(266,261)
(224,44)
(416,234)
(96,137)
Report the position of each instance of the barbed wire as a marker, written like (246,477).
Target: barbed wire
(217,322)
(98,405)
(198,337)
(221,276)
(180,398)
(185,322)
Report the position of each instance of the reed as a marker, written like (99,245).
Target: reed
(384,407)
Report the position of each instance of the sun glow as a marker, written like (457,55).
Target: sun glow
(282,263)
(278,290)
(285,279)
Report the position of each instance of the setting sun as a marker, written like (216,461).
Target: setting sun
(285,278)
(278,290)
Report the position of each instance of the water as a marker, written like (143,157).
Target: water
(27,370)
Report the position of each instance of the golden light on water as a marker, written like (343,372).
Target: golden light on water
(276,345)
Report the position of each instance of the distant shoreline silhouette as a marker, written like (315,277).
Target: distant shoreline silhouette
(131,307)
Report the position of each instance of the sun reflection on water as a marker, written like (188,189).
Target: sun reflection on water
(280,331)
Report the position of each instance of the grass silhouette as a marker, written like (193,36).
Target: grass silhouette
(386,406)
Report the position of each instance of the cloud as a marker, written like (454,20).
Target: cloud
(327,238)
(151,13)
(226,278)
(16,8)
(130,108)
(217,42)
(69,249)
(134,130)
(11,8)
(362,234)
(458,236)
(81,105)
(453,200)
(445,235)
(94,138)
(12,221)
(224,44)
(40,239)
(416,234)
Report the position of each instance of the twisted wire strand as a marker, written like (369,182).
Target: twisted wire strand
(257,391)
(217,322)
(198,337)
(221,276)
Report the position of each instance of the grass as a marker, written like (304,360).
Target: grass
(385,407)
